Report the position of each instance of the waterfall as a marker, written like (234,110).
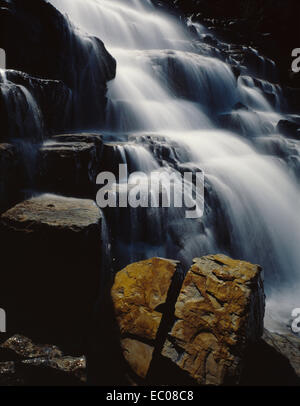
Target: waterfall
(21,115)
(172,91)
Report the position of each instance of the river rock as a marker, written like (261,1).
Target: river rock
(52,247)
(219,311)
(22,362)
(138,293)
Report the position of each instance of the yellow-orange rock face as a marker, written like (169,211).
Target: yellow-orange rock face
(219,310)
(137,292)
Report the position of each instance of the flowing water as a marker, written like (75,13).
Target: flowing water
(170,94)
(24,119)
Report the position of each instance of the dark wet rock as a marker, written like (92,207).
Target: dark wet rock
(236,71)
(273,361)
(25,348)
(289,128)
(40,41)
(253,126)
(53,98)
(288,344)
(268,26)
(10,175)
(20,117)
(52,245)
(33,364)
(70,163)
(209,39)
(293,98)
(240,106)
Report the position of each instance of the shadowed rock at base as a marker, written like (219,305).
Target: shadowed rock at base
(51,262)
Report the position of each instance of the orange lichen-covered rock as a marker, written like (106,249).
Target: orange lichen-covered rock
(219,310)
(137,293)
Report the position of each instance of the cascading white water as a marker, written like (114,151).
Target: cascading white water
(24,117)
(168,86)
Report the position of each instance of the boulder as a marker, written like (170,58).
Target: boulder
(51,264)
(139,292)
(69,164)
(219,311)
(196,332)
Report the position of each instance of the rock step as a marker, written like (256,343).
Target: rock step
(51,265)
(70,163)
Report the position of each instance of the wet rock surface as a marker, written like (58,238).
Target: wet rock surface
(52,97)
(273,361)
(269,26)
(289,128)
(66,70)
(22,362)
(288,345)
(70,163)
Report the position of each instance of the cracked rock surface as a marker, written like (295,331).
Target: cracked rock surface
(219,311)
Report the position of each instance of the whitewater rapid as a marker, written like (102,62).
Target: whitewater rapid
(169,86)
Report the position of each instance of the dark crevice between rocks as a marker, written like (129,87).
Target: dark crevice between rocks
(163,371)
(106,365)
